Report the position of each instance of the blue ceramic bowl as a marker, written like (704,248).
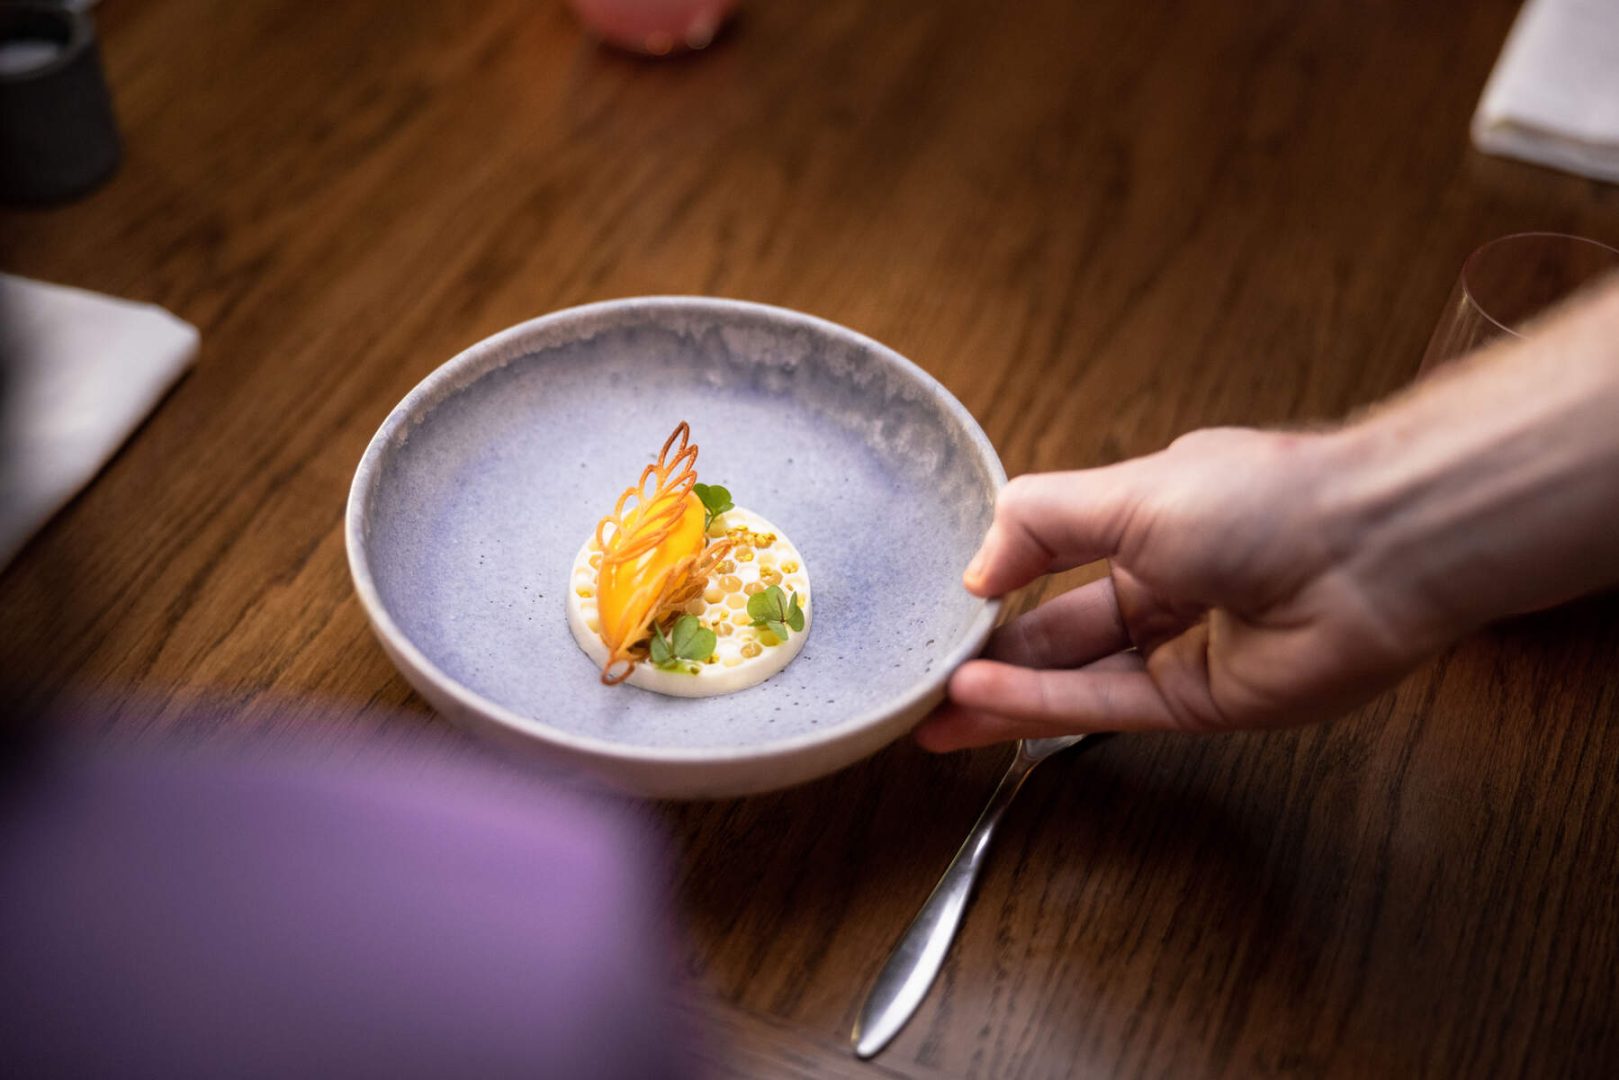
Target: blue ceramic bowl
(472,499)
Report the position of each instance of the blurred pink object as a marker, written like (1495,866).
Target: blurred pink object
(654,27)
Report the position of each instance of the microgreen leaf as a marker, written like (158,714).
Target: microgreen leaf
(768,605)
(662,654)
(716,500)
(687,640)
(771,611)
(692,640)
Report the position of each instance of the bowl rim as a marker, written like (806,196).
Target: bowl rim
(444,380)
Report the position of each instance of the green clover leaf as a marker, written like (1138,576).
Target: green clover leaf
(771,610)
(715,499)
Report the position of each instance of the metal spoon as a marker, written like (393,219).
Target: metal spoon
(916,960)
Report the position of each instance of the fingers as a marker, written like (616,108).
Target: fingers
(1152,616)
(1080,626)
(1051,521)
(991,702)
(954,728)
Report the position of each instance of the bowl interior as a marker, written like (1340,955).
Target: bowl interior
(485,481)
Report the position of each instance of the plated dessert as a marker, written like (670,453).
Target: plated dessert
(681,592)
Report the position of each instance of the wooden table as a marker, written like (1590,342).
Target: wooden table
(1100,225)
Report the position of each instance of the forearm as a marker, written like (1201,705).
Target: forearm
(1492,488)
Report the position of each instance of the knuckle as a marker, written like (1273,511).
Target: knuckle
(1213,439)
(1194,721)
(1046,698)
(1017,493)
(1193,440)
(1035,640)
(1195,713)
(1186,697)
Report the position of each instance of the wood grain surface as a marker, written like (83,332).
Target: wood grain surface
(1100,225)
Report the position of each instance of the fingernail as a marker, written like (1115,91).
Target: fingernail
(975,569)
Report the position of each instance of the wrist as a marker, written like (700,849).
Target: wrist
(1491,488)
(1393,529)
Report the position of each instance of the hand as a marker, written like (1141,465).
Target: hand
(1262,579)
(1230,603)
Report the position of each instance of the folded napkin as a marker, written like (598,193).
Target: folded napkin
(78,373)
(1554,96)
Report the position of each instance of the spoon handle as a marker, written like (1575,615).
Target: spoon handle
(916,960)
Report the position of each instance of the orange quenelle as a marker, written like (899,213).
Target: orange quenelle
(655,554)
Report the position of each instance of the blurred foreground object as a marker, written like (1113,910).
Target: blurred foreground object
(654,27)
(1553,98)
(1506,283)
(81,372)
(58,139)
(213,917)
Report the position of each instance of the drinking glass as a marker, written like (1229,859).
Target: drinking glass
(1507,282)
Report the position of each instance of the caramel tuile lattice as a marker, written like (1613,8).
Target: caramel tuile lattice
(673,588)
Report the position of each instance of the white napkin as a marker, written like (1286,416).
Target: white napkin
(1554,96)
(80,371)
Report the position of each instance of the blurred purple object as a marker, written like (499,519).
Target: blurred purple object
(654,27)
(200,917)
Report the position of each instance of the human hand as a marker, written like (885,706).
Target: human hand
(1231,602)
(1264,578)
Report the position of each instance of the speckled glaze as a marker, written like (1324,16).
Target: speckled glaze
(468,506)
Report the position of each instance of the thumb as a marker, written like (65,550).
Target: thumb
(1046,522)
